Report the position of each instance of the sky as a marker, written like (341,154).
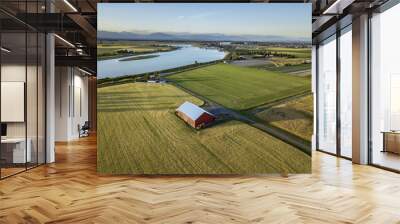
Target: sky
(278,19)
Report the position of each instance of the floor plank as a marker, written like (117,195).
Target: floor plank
(70,191)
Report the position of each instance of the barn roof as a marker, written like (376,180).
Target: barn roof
(191,110)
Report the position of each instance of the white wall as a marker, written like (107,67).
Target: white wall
(80,94)
(70,83)
(62,83)
(14,72)
(33,126)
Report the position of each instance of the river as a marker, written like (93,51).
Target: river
(185,55)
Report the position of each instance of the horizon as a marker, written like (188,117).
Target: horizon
(153,32)
(175,36)
(206,18)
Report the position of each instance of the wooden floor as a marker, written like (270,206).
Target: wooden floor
(70,191)
(387,159)
(5,172)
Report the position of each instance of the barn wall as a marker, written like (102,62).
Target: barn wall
(187,119)
(204,118)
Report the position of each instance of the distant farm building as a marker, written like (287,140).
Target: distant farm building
(194,115)
(156,81)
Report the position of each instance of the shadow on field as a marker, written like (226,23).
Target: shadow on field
(283,114)
(125,108)
(133,103)
(117,93)
(127,98)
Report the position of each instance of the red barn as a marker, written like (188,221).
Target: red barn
(194,115)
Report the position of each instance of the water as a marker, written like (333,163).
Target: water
(186,55)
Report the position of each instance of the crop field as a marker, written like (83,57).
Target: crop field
(138,133)
(241,88)
(294,116)
(298,52)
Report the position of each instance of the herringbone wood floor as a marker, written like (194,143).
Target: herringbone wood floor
(70,191)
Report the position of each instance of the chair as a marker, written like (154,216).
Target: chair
(84,130)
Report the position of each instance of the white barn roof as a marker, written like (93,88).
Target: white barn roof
(191,110)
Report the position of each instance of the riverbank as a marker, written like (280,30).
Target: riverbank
(145,76)
(115,51)
(103,58)
(133,58)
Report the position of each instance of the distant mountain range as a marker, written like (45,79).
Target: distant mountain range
(101,35)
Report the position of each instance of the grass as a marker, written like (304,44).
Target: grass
(241,88)
(139,134)
(104,50)
(294,116)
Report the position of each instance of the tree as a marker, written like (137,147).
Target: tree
(234,56)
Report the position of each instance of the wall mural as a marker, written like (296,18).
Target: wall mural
(182,90)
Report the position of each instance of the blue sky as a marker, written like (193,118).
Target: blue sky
(290,20)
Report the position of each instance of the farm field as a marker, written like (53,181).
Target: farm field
(293,66)
(241,88)
(110,49)
(297,52)
(294,116)
(139,133)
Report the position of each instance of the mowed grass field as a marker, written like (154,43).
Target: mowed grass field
(241,88)
(294,116)
(138,133)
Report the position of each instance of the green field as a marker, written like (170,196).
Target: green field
(294,116)
(138,133)
(241,88)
